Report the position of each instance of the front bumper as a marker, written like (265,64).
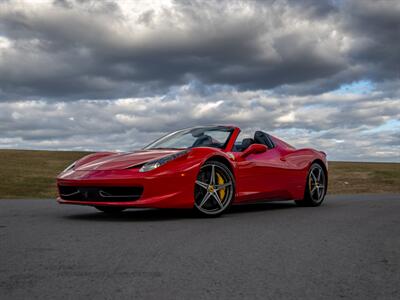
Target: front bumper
(161,188)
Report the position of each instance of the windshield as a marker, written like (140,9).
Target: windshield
(216,137)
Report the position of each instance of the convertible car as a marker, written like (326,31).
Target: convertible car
(207,168)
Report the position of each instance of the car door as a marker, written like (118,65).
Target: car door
(261,176)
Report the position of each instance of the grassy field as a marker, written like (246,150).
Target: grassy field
(31,174)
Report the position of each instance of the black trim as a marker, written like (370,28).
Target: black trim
(100,194)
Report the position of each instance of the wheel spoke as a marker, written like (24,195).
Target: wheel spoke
(216,197)
(202,184)
(313,177)
(222,186)
(318,194)
(212,179)
(313,189)
(322,190)
(206,197)
(319,174)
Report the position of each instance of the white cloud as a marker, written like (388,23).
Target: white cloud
(131,123)
(117,74)
(288,118)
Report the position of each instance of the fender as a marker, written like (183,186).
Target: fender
(206,153)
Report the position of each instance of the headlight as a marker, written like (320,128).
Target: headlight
(70,167)
(154,164)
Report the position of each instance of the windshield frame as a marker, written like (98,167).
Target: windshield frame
(229,129)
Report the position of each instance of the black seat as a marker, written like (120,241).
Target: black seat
(246,143)
(263,138)
(204,140)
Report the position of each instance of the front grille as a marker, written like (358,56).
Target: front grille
(99,194)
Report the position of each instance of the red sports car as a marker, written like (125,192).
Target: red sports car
(206,168)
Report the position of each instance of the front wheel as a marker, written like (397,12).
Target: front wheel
(214,189)
(316,186)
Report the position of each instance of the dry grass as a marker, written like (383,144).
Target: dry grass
(31,174)
(361,177)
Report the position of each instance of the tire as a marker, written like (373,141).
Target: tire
(214,189)
(110,209)
(316,187)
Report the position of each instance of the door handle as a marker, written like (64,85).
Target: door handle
(283,158)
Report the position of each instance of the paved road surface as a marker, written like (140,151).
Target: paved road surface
(348,248)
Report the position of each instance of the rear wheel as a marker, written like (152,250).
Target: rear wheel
(110,209)
(316,186)
(214,189)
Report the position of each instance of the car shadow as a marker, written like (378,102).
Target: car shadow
(261,206)
(151,215)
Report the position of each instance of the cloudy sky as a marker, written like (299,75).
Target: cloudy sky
(113,75)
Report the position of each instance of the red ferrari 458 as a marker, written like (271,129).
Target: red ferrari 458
(206,168)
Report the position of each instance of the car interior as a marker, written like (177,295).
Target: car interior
(259,138)
(204,140)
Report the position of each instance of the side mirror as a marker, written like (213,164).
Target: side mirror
(254,149)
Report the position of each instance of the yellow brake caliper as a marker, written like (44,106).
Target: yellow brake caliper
(221,192)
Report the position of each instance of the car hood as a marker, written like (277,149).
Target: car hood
(119,161)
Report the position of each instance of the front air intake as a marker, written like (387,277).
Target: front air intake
(100,194)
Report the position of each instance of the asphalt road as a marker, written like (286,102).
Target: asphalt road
(347,248)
